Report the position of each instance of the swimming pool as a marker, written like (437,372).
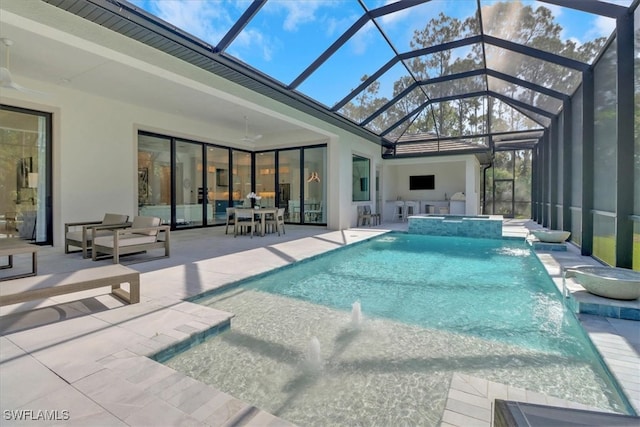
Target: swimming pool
(431,306)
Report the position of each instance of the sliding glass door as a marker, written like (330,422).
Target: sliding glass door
(25,175)
(302,184)
(191,184)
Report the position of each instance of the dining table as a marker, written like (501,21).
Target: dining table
(262,214)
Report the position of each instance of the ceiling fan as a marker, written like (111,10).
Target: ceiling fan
(6,80)
(246,137)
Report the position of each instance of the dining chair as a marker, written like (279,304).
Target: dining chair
(277,221)
(399,211)
(410,208)
(231,219)
(364,216)
(245,219)
(294,210)
(376,218)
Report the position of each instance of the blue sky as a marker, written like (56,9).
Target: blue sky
(287,35)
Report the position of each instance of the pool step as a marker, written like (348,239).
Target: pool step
(470,401)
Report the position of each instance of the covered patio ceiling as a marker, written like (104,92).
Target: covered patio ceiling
(418,77)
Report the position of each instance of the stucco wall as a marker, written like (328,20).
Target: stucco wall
(452,174)
(95,136)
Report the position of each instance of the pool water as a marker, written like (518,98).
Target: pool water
(431,306)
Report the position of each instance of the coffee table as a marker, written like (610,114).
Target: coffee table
(11,247)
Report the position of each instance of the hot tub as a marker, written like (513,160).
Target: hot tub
(482,226)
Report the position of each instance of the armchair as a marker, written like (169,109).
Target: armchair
(79,234)
(144,234)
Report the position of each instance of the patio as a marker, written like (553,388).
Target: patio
(83,357)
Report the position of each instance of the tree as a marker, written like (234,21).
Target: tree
(510,20)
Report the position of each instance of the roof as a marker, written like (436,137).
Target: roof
(417,76)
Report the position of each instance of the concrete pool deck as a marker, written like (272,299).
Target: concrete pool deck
(84,357)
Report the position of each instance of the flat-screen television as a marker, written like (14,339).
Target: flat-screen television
(422,182)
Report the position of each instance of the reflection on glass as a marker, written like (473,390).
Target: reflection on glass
(241,178)
(536,99)
(605,131)
(430,23)
(217,184)
(447,62)
(383,89)
(455,87)
(361,173)
(396,112)
(423,127)
(636,205)
(604,238)
(576,149)
(576,226)
(289,185)
(636,246)
(540,25)
(532,69)
(400,128)
(23,173)
(315,175)
(189,187)
(557,163)
(154,177)
(266,178)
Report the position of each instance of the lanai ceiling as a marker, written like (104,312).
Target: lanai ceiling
(417,77)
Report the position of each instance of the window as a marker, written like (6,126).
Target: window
(360,182)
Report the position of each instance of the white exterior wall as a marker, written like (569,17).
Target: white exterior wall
(95,137)
(472,186)
(452,174)
(95,156)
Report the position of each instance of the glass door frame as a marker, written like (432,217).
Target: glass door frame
(44,195)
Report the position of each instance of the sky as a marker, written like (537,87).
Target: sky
(286,36)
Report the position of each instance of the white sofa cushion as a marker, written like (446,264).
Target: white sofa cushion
(146,222)
(126,240)
(111,219)
(77,235)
